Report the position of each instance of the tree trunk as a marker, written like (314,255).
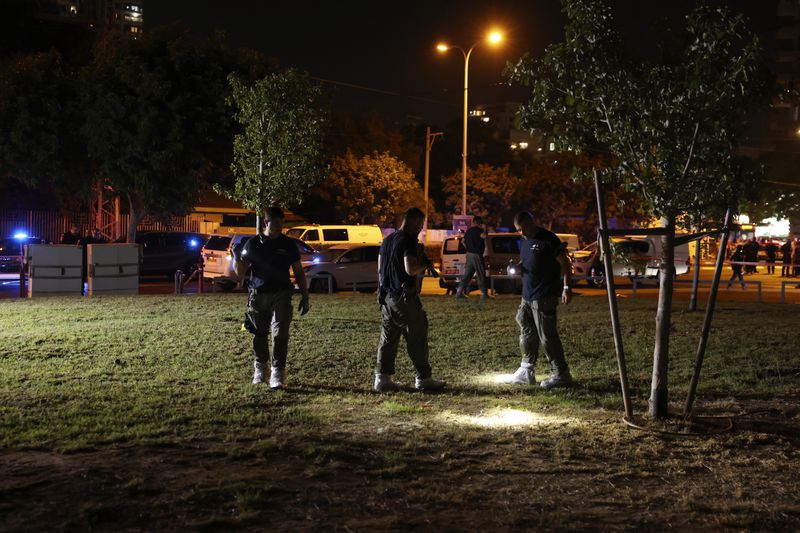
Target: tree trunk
(659,392)
(135,217)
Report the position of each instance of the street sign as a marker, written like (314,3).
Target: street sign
(461,223)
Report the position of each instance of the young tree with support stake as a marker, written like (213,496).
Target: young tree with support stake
(670,126)
(277,155)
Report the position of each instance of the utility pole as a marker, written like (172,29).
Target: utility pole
(429,139)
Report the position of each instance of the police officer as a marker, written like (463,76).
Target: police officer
(475,245)
(399,263)
(269,256)
(546,278)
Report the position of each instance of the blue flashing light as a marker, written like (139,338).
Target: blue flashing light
(193,243)
(315,260)
(20,235)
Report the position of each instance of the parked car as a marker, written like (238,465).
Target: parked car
(326,236)
(165,252)
(345,267)
(219,251)
(11,249)
(636,257)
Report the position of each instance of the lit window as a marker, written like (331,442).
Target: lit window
(523,145)
(552,147)
(513,147)
(134,29)
(486,119)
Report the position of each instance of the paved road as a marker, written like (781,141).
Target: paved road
(770,284)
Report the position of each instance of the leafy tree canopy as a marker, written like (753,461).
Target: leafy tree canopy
(278,153)
(670,126)
(373,188)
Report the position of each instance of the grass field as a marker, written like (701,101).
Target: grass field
(138,412)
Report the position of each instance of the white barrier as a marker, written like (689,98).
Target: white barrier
(54,269)
(113,268)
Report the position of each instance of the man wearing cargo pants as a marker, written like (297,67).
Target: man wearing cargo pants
(475,246)
(399,263)
(269,306)
(546,278)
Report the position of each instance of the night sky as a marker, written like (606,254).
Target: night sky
(389,46)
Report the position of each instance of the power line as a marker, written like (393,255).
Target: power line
(382,91)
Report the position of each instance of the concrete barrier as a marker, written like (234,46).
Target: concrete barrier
(113,268)
(54,269)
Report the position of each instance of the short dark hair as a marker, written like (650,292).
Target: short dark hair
(274,212)
(477,219)
(522,216)
(414,213)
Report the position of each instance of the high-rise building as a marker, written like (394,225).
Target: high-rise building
(103,15)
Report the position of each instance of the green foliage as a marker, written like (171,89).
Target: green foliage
(155,109)
(489,192)
(277,155)
(40,113)
(670,127)
(372,188)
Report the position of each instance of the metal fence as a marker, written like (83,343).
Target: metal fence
(51,225)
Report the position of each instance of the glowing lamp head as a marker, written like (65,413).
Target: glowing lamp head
(494,37)
(442,47)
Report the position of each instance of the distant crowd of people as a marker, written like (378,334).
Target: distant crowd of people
(744,257)
(74,236)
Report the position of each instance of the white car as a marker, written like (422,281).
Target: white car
(643,255)
(352,267)
(218,255)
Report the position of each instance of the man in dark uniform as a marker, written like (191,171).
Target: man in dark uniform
(72,236)
(786,251)
(269,256)
(546,278)
(399,263)
(475,244)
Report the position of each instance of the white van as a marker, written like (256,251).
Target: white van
(643,254)
(325,236)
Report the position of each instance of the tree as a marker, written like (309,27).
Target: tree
(670,125)
(489,192)
(40,114)
(277,155)
(155,108)
(371,188)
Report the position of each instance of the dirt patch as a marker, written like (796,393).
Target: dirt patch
(403,476)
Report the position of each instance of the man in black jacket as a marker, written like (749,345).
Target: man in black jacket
(475,244)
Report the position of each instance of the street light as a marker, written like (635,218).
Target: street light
(493,38)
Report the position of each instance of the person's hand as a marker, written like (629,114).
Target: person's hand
(304,306)
(566,295)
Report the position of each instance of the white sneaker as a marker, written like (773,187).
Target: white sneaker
(258,373)
(277,380)
(385,383)
(523,376)
(429,384)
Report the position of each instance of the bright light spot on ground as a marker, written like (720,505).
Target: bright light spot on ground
(505,418)
(490,379)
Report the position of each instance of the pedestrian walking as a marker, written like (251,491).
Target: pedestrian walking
(546,279)
(786,257)
(269,256)
(475,244)
(399,264)
(736,266)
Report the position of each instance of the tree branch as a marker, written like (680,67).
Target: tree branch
(691,150)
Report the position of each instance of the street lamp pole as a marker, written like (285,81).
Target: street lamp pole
(464,146)
(494,37)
